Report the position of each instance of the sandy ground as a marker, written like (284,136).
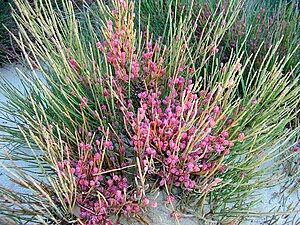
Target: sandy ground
(271,199)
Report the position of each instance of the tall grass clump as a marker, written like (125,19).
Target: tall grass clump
(113,113)
(9,50)
(258,26)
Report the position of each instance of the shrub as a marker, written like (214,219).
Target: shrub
(112,103)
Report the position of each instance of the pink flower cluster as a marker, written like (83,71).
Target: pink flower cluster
(118,54)
(119,50)
(102,192)
(177,133)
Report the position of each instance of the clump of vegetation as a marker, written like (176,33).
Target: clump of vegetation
(115,113)
(9,49)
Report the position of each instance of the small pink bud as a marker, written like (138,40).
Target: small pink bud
(95,170)
(238,67)
(230,144)
(145,201)
(97,156)
(254,102)
(109,25)
(224,69)
(180,70)
(170,199)
(74,64)
(172,215)
(241,136)
(215,50)
(218,180)
(258,16)
(212,123)
(163,71)
(107,144)
(118,193)
(81,145)
(99,46)
(85,100)
(216,109)
(72,170)
(225,134)
(153,204)
(59,164)
(226,151)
